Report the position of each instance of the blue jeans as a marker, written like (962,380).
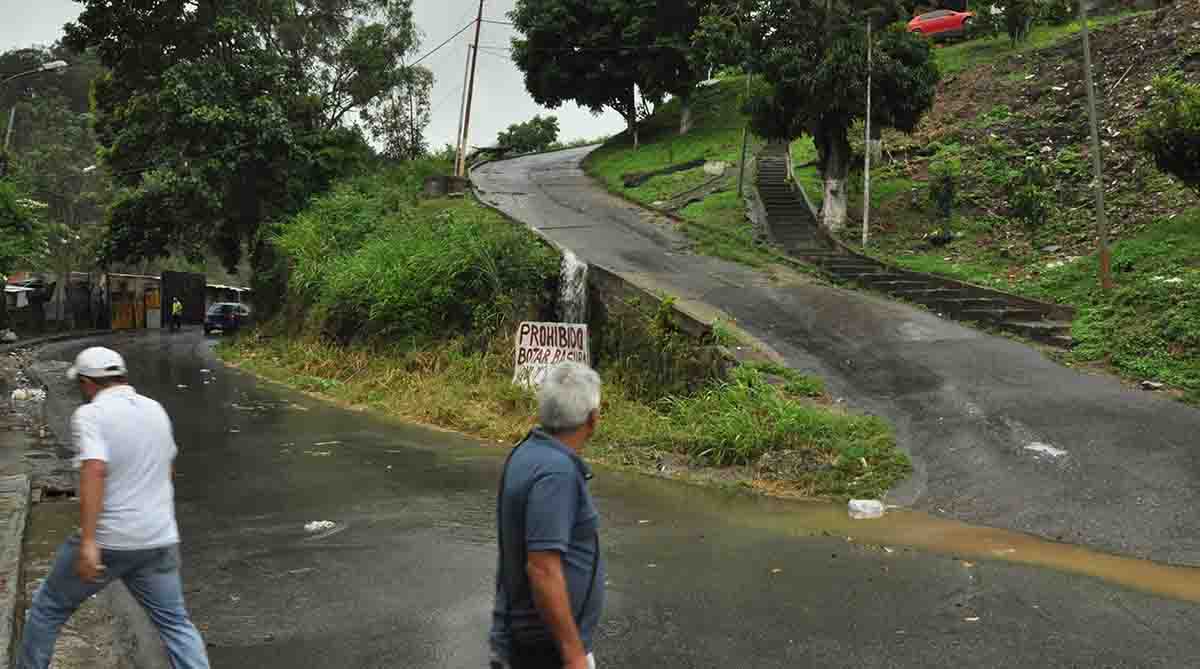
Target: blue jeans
(152,576)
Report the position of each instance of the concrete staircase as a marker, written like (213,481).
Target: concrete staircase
(791,225)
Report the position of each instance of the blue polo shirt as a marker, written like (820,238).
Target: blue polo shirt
(546,506)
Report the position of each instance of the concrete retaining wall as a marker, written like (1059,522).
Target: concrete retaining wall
(14,516)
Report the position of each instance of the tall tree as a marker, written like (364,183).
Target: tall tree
(218,116)
(672,67)
(398,121)
(817,79)
(589,52)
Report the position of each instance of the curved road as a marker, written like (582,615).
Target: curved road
(1000,435)
(699,578)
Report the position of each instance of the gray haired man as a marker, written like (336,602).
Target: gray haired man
(550,580)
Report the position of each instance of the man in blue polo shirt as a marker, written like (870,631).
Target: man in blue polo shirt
(550,580)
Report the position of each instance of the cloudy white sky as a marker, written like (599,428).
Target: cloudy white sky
(500,96)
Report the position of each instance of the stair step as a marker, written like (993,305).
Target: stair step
(1062,341)
(1047,331)
(925,294)
(1003,313)
(958,305)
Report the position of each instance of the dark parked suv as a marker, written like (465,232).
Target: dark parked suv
(226,317)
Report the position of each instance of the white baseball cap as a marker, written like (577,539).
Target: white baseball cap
(97,363)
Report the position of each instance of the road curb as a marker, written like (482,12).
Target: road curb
(51,339)
(14,519)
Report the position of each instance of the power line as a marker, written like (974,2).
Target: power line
(640,47)
(498,23)
(443,44)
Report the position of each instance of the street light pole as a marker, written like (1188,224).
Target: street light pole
(51,66)
(866,227)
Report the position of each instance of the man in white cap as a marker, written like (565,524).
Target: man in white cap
(127,517)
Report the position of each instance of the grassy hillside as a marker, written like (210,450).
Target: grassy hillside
(1001,111)
(409,307)
(718,224)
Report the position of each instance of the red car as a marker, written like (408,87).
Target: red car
(941,23)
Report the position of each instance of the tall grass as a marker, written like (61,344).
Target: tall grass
(813,449)
(370,260)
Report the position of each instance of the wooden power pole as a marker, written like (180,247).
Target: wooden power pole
(466,136)
(867,145)
(1097,161)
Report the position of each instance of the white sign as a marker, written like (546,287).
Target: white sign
(541,346)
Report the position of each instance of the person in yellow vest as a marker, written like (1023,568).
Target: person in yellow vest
(176,314)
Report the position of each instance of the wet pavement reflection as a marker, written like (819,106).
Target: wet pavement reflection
(402,573)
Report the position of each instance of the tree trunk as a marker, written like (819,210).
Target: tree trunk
(686,119)
(835,167)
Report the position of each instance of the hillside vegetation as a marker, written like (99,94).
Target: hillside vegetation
(1010,128)
(410,306)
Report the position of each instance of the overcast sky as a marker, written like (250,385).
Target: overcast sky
(500,96)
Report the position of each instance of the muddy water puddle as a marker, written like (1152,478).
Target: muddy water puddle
(901,528)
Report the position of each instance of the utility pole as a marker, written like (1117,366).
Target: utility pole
(1097,162)
(867,145)
(462,160)
(462,110)
(745,142)
(746,127)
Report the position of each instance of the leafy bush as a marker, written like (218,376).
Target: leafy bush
(944,176)
(1018,18)
(1030,198)
(1170,130)
(369,260)
(1058,12)
(536,134)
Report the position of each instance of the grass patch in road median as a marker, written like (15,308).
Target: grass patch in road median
(771,432)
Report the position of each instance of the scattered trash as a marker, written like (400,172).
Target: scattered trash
(9,336)
(327,443)
(1045,449)
(888,550)
(968,564)
(182,386)
(652,565)
(776,571)
(297,572)
(205,371)
(973,619)
(319,526)
(234,430)
(865,509)
(643,522)
(318,454)
(1153,385)
(1053,248)
(28,395)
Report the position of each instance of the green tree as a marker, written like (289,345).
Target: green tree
(587,52)
(1170,129)
(671,66)
(399,120)
(216,118)
(536,134)
(815,79)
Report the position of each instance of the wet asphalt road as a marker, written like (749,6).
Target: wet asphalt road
(699,578)
(966,405)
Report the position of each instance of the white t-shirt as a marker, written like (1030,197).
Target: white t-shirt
(132,435)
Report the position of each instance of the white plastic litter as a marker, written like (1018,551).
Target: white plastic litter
(28,395)
(319,526)
(866,509)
